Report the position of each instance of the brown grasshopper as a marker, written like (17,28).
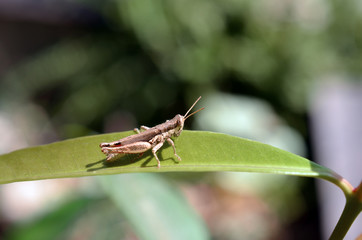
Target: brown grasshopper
(149,138)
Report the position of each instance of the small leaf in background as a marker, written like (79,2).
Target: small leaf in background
(154,208)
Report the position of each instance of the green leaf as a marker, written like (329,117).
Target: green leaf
(154,208)
(200,151)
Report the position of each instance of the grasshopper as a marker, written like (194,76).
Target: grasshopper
(150,138)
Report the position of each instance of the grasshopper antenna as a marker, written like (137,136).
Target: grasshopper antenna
(187,116)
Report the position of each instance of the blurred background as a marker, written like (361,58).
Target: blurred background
(286,73)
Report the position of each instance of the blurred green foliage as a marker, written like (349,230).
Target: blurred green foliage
(155,55)
(118,210)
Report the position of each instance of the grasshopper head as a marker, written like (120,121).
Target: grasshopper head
(180,120)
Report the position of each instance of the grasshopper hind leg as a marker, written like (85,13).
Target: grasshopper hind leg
(144,128)
(114,156)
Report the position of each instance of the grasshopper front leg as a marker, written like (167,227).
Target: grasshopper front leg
(169,140)
(154,152)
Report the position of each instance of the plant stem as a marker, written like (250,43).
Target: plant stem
(350,212)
